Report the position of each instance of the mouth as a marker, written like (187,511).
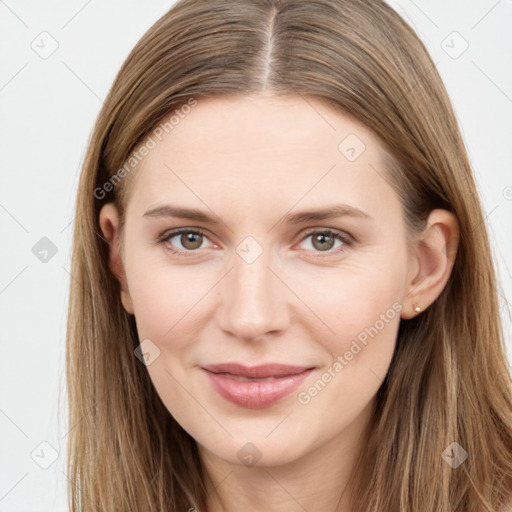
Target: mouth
(255,387)
(275,370)
(247,379)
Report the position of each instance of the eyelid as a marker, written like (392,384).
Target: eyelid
(341,235)
(167,235)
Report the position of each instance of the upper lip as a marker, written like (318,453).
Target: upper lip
(255,372)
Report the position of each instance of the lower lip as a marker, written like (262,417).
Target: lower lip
(255,394)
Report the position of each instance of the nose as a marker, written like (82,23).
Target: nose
(254,300)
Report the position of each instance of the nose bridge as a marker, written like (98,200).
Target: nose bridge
(253,304)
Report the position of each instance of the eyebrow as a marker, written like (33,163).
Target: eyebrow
(329,212)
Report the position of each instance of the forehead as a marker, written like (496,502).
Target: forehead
(255,149)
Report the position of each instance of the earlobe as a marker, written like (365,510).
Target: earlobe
(109,223)
(434,256)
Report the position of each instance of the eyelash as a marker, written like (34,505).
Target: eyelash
(347,240)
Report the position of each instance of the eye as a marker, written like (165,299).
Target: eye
(322,240)
(190,240)
(325,240)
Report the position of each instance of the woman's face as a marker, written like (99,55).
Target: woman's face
(264,283)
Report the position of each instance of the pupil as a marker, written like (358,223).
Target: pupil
(191,238)
(322,239)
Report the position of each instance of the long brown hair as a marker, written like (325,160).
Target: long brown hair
(448,380)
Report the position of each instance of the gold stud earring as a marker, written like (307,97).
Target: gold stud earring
(416,308)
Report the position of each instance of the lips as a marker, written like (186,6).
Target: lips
(263,371)
(255,387)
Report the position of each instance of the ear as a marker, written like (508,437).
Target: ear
(432,258)
(109,225)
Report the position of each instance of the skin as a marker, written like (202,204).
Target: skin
(248,162)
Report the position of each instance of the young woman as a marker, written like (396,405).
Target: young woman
(283,293)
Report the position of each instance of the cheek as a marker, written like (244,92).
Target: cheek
(343,301)
(165,297)
(356,319)
(167,301)
(358,327)
(362,319)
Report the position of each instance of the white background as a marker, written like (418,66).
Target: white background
(47,110)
